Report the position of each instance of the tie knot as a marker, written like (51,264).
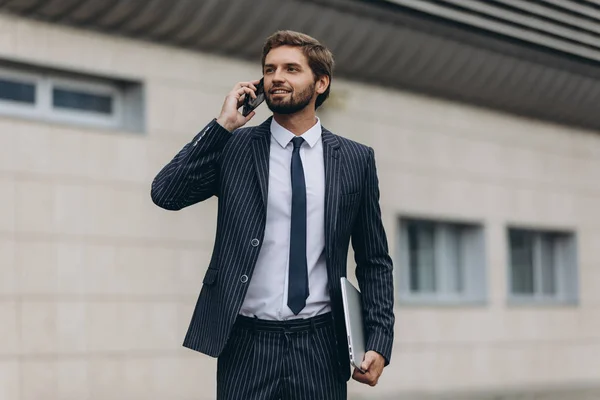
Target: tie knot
(297,142)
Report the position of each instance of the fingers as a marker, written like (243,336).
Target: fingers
(230,117)
(373,365)
(238,93)
(367,361)
(250,85)
(368,378)
(250,91)
(241,90)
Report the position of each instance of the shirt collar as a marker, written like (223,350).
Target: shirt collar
(284,137)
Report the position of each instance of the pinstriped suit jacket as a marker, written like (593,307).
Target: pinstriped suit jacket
(235,168)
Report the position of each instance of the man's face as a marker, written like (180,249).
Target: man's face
(288,79)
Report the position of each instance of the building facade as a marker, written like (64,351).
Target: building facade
(489,201)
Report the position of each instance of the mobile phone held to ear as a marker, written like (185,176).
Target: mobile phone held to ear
(250,103)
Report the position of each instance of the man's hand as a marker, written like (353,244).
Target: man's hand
(230,118)
(372,364)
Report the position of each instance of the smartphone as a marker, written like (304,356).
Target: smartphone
(250,103)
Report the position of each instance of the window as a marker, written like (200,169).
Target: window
(82,101)
(542,266)
(51,95)
(441,262)
(17,90)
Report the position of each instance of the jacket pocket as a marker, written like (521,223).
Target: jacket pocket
(349,197)
(211,276)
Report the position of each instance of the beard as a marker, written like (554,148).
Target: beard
(293,104)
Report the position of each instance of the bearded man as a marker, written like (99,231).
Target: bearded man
(291,196)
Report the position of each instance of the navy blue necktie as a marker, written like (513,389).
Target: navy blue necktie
(298,272)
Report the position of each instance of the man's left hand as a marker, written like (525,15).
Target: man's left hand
(372,364)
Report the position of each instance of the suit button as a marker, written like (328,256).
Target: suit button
(254,242)
(244,278)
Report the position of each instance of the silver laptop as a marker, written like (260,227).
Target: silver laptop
(353,314)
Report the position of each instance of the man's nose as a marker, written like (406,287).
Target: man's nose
(278,76)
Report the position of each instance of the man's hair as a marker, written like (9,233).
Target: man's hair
(319,57)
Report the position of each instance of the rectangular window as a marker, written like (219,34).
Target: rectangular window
(82,101)
(542,266)
(441,262)
(60,96)
(521,255)
(422,256)
(16,90)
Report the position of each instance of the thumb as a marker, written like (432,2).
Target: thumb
(249,116)
(367,361)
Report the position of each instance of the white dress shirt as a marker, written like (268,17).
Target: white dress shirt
(268,289)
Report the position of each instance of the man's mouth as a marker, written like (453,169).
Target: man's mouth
(280,91)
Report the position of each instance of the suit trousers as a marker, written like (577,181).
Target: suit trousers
(280,360)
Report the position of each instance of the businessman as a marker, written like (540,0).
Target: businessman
(291,196)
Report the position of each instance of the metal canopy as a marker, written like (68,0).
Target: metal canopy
(484,52)
(568,26)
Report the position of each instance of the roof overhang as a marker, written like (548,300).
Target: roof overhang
(394,43)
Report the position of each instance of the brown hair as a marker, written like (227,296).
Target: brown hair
(319,57)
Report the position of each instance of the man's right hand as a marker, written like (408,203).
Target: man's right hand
(230,118)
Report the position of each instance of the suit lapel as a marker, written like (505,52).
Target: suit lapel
(332,186)
(260,151)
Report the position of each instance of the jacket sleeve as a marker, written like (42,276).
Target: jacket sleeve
(374,267)
(193,175)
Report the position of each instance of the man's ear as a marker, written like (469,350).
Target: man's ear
(322,84)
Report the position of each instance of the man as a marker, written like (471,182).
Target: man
(291,195)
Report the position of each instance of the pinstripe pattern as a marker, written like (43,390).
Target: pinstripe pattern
(235,168)
(261,365)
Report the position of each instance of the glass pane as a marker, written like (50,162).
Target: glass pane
(455,261)
(13,90)
(548,264)
(421,255)
(78,100)
(521,261)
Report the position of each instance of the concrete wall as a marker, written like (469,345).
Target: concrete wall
(97,285)
(448,161)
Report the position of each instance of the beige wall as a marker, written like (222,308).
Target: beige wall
(97,285)
(445,160)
